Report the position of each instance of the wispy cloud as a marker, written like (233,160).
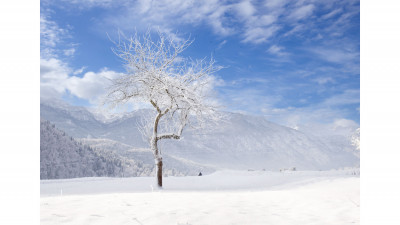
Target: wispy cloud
(249,80)
(79,71)
(220,45)
(248,100)
(258,35)
(332,14)
(54,39)
(254,21)
(69,52)
(276,4)
(50,36)
(336,55)
(265,97)
(350,96)
(301,12)
(84,4)
(170,15)
(245,9)
(277,50)
(324,80)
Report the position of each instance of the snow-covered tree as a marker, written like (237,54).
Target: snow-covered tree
(177,88)
(355,139)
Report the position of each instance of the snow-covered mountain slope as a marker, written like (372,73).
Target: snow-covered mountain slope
(244,141)
(172,165)
(61,156)
(237,142)
(78,122)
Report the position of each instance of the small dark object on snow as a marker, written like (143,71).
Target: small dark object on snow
(200,174)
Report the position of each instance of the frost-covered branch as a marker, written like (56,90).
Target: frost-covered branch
(179,90)
(355,139)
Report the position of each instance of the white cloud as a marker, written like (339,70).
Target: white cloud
(238,97)
(85,4)
(336,55)
(277,50)
(92,86)
(248,80)
(217,19)
(245,9)
(220,45)
(274,49)
(171,15)
(259,35)
(258,25)
(56,79)
(302,12)
(53,39)
(79,71)
(275,4)
(69,52)
(224,18)
(50,35)
(296,28)
(49,32)
(53,74)
(324,80)
(266,20)
(332,14)
(351,96)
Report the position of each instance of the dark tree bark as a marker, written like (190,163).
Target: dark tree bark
(159,173)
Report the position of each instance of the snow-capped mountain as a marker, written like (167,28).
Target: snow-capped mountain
(237,142)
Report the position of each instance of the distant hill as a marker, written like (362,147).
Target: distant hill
(62,156)
(237,142)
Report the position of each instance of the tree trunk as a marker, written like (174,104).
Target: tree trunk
(158,162)
(159,173)
(154,146)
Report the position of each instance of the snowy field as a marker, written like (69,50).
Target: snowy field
(225,197)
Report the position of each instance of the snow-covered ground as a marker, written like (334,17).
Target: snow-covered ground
(224,197)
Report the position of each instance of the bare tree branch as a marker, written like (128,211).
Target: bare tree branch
(177,89)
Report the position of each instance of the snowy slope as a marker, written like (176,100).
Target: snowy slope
(172,166)
(252,142)
(62,156)
(237,142)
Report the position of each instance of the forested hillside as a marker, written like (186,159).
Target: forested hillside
(61,156)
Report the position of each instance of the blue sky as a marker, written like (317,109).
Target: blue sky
(295,62)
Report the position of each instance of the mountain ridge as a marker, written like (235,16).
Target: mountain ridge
(237,142)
